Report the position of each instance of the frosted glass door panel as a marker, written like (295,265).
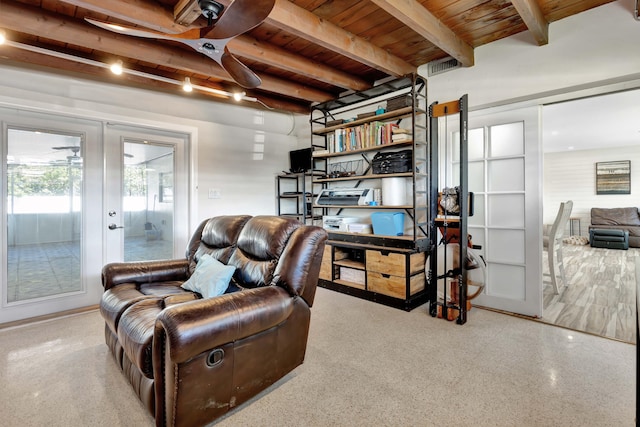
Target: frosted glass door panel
(506,140)
(504,281)
(505,175)
(475,144)
(506,246)
(478,217)
(476,176)
(477,238)
(506,210)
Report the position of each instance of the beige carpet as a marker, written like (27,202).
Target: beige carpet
(601,292)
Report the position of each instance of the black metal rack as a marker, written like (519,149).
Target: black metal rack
(297,202)
(456,306)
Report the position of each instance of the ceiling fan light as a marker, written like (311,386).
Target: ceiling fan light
(238,96)
(186,85)
(116,67)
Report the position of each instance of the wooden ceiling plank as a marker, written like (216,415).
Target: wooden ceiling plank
(534,19)
(305,24)
(186,12)
(24,19)
(420,20)
(141,13)
(251,48)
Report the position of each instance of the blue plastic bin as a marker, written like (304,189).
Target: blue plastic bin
(388,223)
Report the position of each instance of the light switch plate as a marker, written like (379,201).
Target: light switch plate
(214,193)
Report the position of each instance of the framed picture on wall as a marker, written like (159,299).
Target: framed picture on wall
(613,177)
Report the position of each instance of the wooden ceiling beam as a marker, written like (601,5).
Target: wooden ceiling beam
(531,14)
(146,15)
(414,15)
(37,22)
(302,23)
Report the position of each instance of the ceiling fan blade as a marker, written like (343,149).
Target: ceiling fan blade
(132,31)
(239,17)
(240,72)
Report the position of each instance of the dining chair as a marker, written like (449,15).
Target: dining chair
(552,242)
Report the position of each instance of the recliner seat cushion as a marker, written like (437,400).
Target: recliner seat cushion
(117,299)
(135,332)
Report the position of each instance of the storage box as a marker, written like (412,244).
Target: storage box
(359,228)
(388,223)
(352,275)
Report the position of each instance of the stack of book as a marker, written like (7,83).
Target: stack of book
(401,135)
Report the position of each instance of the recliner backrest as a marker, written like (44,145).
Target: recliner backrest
(216,236)
(260,245)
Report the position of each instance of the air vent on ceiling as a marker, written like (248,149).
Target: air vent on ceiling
(442,65)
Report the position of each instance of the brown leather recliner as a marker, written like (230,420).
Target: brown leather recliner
(189,359)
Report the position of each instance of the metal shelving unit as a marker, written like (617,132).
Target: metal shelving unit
(402,284)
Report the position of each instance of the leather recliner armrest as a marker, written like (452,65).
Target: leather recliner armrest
(188,329)
(144,272)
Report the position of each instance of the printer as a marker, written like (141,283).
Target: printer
(344,197)
(337,222)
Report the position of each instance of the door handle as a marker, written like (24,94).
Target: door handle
(113,226)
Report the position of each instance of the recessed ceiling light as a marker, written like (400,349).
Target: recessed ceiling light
(570,147)
(116,67)
(186,86)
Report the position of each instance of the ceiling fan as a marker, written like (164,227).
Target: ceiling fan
(239,17)
(75,149)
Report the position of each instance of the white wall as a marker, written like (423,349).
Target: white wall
(571,176)
(236,150)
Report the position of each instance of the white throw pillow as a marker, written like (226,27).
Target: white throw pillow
(210,278)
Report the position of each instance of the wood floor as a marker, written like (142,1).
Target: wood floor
(600,296)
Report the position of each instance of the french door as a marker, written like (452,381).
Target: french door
(505,175)
(146,196)
(78,194)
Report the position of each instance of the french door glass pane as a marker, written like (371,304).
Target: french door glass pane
(148,201)
(44,213)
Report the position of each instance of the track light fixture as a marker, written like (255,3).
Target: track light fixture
(186,85)
(116,67)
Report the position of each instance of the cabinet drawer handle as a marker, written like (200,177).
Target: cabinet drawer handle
(386,276)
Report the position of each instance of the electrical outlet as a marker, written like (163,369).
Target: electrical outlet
(214,193)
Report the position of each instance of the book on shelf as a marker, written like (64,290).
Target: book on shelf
(360,137)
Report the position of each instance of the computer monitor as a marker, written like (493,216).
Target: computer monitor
(301,160)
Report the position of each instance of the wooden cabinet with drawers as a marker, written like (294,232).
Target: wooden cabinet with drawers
(388,275)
